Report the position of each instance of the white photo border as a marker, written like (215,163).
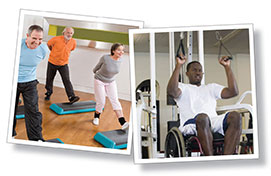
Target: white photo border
(78,17)
(255,154)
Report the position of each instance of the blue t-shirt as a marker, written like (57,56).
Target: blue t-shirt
(29,60)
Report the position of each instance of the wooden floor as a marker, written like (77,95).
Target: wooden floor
(74,129)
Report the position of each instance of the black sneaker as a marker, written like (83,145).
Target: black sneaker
(47,97)
(73,99)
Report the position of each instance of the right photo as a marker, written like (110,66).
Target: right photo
(194,96)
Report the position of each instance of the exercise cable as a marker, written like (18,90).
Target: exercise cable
(221,44)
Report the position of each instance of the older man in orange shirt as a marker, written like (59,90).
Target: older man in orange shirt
(61,47)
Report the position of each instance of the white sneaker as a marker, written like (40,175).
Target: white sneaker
(125,126)
(96,121)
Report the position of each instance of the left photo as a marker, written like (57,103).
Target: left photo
(71,85)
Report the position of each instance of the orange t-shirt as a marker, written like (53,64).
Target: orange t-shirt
(60,50)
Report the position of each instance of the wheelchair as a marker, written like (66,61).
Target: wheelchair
(178,145)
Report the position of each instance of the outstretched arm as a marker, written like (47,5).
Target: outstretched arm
(172,87)
(232,89)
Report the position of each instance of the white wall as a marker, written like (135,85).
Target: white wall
(30,20)
(240,65)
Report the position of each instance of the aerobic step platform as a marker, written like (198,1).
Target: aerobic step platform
(115,139)
(56,140)
(77,107)
(20,112)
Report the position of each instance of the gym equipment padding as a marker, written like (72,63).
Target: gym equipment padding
(20,112)
(77,107)
(115,139)
(56,140)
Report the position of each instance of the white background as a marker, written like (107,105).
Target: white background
(22,160)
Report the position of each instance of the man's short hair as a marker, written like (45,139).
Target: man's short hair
(190,63)
(34,27)
(67,27)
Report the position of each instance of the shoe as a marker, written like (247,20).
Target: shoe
(47,97)
(125,126)
(96,121)
(73,99)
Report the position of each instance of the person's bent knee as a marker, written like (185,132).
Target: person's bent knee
(234,119)
(202,120)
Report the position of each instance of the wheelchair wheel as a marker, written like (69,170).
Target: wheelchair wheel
(174,145)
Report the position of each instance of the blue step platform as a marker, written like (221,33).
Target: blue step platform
(77,107)
(20,112)
(115,139)
(56,140)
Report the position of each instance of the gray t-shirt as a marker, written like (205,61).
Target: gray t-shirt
(107,69)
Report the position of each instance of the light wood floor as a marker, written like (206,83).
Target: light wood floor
(74,129)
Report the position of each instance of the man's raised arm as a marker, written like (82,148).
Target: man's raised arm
(172,87)
(232,89)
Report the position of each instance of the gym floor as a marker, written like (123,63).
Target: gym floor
(76,129)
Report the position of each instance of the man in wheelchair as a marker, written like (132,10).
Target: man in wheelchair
(197,105)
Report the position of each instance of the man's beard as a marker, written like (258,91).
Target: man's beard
(66,37)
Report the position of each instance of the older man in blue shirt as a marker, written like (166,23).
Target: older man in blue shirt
(32,53)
